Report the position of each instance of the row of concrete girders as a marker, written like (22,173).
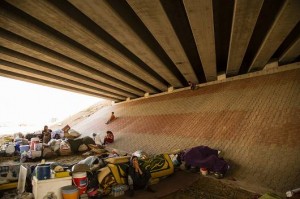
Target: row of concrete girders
(54,17)
(153,16)
(38,35)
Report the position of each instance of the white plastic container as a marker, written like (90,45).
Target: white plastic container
(40,188)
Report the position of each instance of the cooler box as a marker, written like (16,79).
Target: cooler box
(40,188)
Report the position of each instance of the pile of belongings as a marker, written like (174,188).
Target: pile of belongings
(107,172)
(10,144)
(56,147)
(70,133)
(66,146)
(109,175)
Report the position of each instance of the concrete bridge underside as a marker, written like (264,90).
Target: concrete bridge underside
(124,49)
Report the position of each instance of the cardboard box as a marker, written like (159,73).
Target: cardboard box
(62,174)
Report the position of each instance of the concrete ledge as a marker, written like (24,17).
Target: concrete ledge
(266,71)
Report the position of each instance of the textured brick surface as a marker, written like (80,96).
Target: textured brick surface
(255,121)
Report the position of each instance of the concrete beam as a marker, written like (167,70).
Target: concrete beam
(200,14)
(154,17)
(25,78)
(33,50)
(94,43)
(117,26)
(244,19)
(170,89)
(23,70)
(291,53)
(286,20)
(221,76)
(46,37)
(271,64)
(35,64)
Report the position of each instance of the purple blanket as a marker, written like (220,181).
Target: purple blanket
(203,156)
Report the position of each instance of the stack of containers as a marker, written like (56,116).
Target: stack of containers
(33,141)
(35,148)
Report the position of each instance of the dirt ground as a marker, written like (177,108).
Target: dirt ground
(202,188)
(210,188)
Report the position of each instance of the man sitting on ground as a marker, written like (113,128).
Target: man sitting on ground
(193,86)
(46,134)
(138,177)
(112,118)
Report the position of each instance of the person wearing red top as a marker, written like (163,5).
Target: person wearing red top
(109,138)
(112,118)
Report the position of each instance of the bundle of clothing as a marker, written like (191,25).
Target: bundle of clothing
(204,157)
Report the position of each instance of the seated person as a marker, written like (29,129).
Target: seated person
(109,138)
(193,86)
(46,134)
(112,118)
(138,177)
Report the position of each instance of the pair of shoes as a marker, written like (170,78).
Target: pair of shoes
(218,175)
(149,189)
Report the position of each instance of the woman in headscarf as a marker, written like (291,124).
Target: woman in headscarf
(138,177)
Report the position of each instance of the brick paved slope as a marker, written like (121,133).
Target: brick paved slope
(255,121)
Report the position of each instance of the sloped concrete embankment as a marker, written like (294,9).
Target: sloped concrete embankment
(254,121)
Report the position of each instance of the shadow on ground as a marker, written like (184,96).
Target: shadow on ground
(210,188)
(184,184)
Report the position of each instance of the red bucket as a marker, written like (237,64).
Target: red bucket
(80,181)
